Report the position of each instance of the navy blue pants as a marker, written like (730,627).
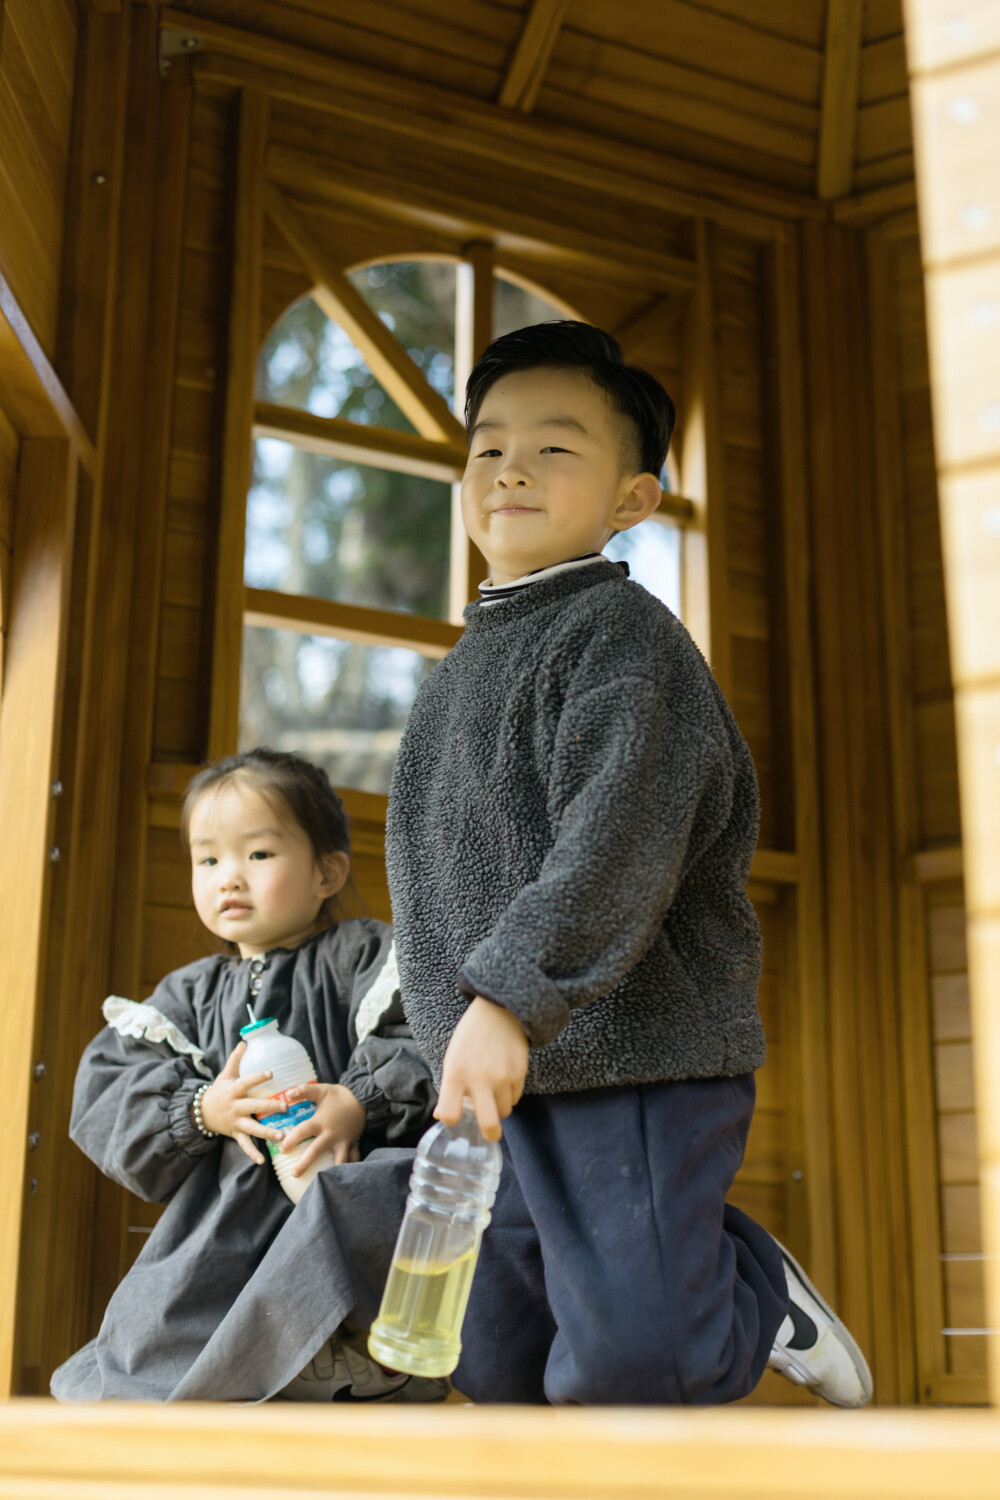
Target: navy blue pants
(614,1272)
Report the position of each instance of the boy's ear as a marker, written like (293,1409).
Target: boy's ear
(334,871)
(640,499)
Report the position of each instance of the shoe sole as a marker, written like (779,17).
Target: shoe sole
(843,1333)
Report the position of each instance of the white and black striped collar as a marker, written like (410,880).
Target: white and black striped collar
(490,593)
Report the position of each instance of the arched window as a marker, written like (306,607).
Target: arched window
(356,568)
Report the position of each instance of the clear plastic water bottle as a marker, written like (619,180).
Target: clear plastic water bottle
(290,1065)
(452,1188)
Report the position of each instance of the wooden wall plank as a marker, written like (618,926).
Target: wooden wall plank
(808,1086)
(692,35)
(37,61)
(29,730)
(241,363)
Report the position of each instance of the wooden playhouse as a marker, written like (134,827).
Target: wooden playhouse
(247,253)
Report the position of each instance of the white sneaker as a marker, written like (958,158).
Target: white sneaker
(814,1349)
(342,1372)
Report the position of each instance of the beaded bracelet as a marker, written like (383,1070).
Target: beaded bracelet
(196,1113)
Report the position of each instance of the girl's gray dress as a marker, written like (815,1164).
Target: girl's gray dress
(236,1290)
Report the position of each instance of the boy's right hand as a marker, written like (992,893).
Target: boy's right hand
(226,1106)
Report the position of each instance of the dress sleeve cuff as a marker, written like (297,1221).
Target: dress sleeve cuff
(183,1131)
(377,1108)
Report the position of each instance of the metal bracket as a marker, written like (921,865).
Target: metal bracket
(175,43)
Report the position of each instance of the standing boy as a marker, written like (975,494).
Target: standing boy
(570,831)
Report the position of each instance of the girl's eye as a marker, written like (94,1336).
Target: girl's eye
(208,860)
(261,854)
(552,449)
(490,453)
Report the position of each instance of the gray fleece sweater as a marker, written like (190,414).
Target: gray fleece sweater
(571,824)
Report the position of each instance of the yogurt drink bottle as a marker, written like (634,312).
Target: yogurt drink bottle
(290,1065)
(452,1188)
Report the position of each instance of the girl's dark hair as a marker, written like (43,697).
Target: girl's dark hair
(643,407)
(302,789)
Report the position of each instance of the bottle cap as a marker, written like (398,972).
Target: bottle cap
(246,1031)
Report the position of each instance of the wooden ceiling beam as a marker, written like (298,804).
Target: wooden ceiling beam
(526,69)
(379,447)
(841,85)
(649,323)
(410,198)
(425,112)
(388,361)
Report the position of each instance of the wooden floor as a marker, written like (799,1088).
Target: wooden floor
(219,1453)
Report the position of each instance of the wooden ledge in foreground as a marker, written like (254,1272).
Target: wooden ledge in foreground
(219,1453)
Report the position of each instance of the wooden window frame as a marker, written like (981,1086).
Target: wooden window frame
(436,450)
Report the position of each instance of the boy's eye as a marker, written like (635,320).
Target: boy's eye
(208,860)
(553,449)
(261,854)
(489,453)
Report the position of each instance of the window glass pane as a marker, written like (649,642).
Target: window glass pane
(416,299)
(339,704)
(515,307)
(347,531)
(653,553)
(310,363)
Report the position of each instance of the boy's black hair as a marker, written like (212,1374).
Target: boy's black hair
(639,400)
(302,791)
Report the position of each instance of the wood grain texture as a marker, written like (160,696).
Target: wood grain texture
(208,1451)
(37,61)
(526,67)
(244,306)
(34,399)
(563,150)
(29,732)
(841,86)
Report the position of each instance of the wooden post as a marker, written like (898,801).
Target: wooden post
(955,87)
(810,1025)
(29,733)
(706,564)
(870,1181)
(244,323)
(473,331)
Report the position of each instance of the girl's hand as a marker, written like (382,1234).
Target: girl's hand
(336,1126)
(226,1107)
(486,1059)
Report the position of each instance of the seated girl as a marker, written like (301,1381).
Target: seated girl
(237,1295)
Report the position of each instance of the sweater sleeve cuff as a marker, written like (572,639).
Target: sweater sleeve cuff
(521,988)
(183,1131)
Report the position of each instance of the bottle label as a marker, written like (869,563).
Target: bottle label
(286,1117)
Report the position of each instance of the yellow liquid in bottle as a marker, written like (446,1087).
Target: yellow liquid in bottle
(419,1325)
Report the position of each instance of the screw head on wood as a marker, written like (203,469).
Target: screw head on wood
(39,1070)
(54,855)
(57,789)
(34,1140)
(100,178)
